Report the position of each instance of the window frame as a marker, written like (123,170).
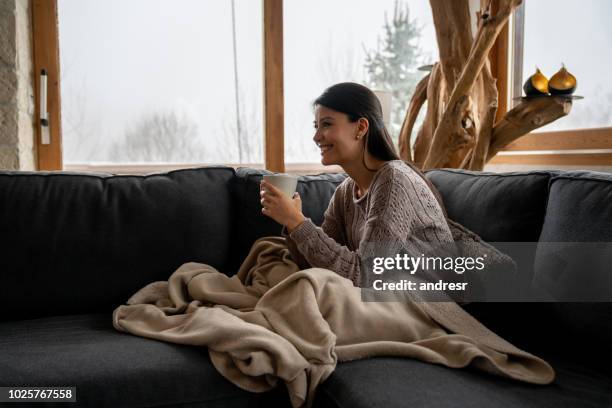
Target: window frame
(45,55)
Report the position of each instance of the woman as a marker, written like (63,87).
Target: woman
(387,201)
(384,199)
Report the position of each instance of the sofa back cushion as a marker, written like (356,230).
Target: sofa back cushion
(501,208)
(79,243)
(579,211)
(250,224)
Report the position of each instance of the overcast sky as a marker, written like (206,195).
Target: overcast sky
(123,59)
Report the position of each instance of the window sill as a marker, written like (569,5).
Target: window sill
(147,168)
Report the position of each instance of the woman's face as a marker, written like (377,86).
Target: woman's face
(337,137)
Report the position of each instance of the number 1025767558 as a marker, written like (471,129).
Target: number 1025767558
(39,394)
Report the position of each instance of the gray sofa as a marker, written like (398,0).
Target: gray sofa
(74,246)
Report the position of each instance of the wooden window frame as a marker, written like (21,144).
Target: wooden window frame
(274,108)
(45,50)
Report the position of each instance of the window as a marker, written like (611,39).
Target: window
(548,33)
(159,67)
(327,42)
(185,84)
(578,35)
(158,82)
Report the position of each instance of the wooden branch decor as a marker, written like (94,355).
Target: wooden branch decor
(459,129)
(418,99)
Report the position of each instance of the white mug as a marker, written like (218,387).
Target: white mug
(287,183)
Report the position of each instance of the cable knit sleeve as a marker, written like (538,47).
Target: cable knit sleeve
(332,227)
(389,222)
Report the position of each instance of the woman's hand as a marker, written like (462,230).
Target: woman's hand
(282,209)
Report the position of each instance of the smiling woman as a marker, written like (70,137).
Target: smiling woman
(384,199)
(332,128)
(345,115)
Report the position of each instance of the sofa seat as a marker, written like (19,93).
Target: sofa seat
(395,382)
(115,369)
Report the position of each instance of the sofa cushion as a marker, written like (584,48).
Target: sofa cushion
(394,382)
(579,214)
(579,208)
(579,211)
(502,208)
(84,242)
(250,224)
(114,369)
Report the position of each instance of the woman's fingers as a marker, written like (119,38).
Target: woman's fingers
(266,198)
(271,200)
(266,195)
(270,188)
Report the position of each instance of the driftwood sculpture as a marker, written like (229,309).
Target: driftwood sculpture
(459,128)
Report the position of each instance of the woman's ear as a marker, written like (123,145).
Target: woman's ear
(362,126)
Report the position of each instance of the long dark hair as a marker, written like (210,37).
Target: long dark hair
(358,101)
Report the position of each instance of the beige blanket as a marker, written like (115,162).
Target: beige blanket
(272,322)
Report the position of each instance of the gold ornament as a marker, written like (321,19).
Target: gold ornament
(562,83)
(536,85)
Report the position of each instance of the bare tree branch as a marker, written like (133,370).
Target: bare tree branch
(418,99)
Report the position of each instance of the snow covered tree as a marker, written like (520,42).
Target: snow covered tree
(393,67)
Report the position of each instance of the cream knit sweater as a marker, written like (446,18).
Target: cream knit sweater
(398,210)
